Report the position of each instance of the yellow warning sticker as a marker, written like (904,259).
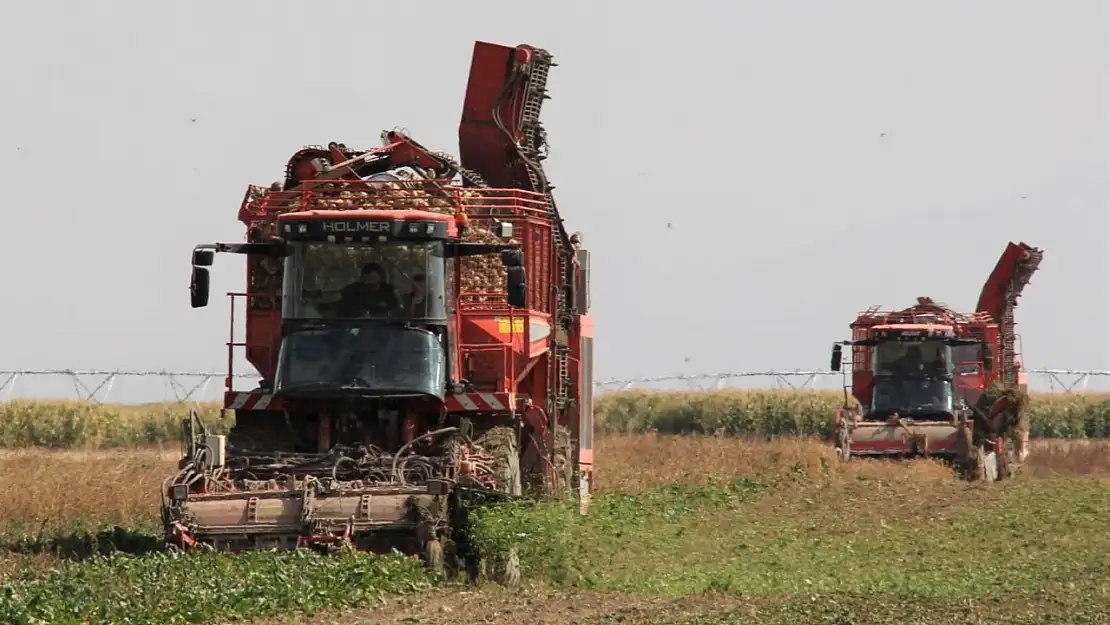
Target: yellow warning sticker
(517,325)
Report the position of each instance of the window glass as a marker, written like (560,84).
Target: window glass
(394,280)
(365,359)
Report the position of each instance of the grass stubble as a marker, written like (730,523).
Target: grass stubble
(683,529)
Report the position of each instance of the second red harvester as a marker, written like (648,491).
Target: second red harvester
(919,376)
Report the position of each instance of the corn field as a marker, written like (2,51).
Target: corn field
(62,425)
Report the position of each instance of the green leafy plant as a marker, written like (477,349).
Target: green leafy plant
(200,588)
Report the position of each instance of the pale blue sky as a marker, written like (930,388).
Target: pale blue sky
(755,128)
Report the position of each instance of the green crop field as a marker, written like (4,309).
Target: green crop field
(682,529)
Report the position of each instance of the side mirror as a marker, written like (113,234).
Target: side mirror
(203,258)
(836,357)
(582,288)
(198,287)
(516,287)
(988,358)
(512,258)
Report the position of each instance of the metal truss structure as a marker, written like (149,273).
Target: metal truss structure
(95,385)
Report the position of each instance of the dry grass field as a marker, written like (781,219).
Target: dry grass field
(61,492)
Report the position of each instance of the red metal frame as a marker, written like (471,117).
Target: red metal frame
(231,342)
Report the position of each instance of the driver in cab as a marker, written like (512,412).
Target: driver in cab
(370,295)
(914,363)
(415,302)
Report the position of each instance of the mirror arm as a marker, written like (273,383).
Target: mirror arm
(459,250)
(271,248)
(276,249)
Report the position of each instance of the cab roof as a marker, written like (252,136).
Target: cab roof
(931,327)
(367,214)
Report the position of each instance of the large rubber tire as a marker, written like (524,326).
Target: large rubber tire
(1008,464)
(1021,444)
(546,477)
(564,464)
(502,445)
(978,470)
(433,557)
(965,460)
(844,445)
(505,568)
(510,569)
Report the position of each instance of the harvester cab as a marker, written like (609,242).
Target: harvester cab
(913,371)
(364,301)
(925,382)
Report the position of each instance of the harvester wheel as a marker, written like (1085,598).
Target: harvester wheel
(965,460)
(501,444)
(1021,443)
(1005,471)
(843,445)
(549,473)
(978,469)
(506,568)
(564,463)
(1008,460)
(510,569)
(433,556)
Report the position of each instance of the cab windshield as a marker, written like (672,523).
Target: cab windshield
(913,359)
(373,359)
(388,280)
(912,397)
